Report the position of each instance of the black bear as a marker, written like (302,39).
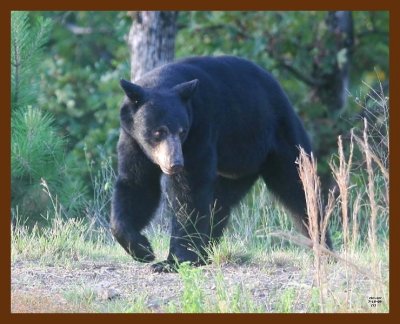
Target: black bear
(211,126)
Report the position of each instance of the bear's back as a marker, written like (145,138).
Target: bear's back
(232,84)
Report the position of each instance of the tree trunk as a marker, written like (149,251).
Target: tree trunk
(151,40)
(152,43)
(335,83)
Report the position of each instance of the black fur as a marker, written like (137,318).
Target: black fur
(240,126)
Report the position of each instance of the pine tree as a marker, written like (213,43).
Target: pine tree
(37,150)
(26,50)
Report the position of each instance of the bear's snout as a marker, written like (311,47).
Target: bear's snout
(168,155)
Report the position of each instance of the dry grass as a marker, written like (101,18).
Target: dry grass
(373,201)
(312,189)
(36,302)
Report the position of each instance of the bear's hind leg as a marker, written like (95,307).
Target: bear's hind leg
(281,176)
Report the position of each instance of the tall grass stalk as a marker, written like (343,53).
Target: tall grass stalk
(341,175)
(373,204)
(368,203)
(312,190)
(376,153)
(98,208)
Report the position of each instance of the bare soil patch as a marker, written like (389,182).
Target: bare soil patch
(44,288)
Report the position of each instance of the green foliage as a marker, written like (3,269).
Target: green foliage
(237,300)
(259,36)
(35,144)
(192,297)
(314,306)
(26,52)
(37,150)
(79,81)
(286,301)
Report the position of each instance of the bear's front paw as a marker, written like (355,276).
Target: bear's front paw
(167,266)
(143,256)
(140,249)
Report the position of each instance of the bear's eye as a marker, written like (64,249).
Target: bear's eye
(182,133)
(160,133)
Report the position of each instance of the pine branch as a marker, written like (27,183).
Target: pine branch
(26,49)
(16,64)
(18,30)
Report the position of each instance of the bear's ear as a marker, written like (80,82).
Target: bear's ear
(186,89)
(134,92)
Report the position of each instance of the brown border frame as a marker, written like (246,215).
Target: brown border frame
(6,8)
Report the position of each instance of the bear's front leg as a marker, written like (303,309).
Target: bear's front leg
(136,196)
(132,208)
(190,198)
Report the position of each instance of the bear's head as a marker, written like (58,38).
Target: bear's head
(159,121)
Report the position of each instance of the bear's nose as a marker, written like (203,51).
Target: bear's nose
(176,167)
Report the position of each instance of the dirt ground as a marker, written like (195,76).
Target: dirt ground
(39,288)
